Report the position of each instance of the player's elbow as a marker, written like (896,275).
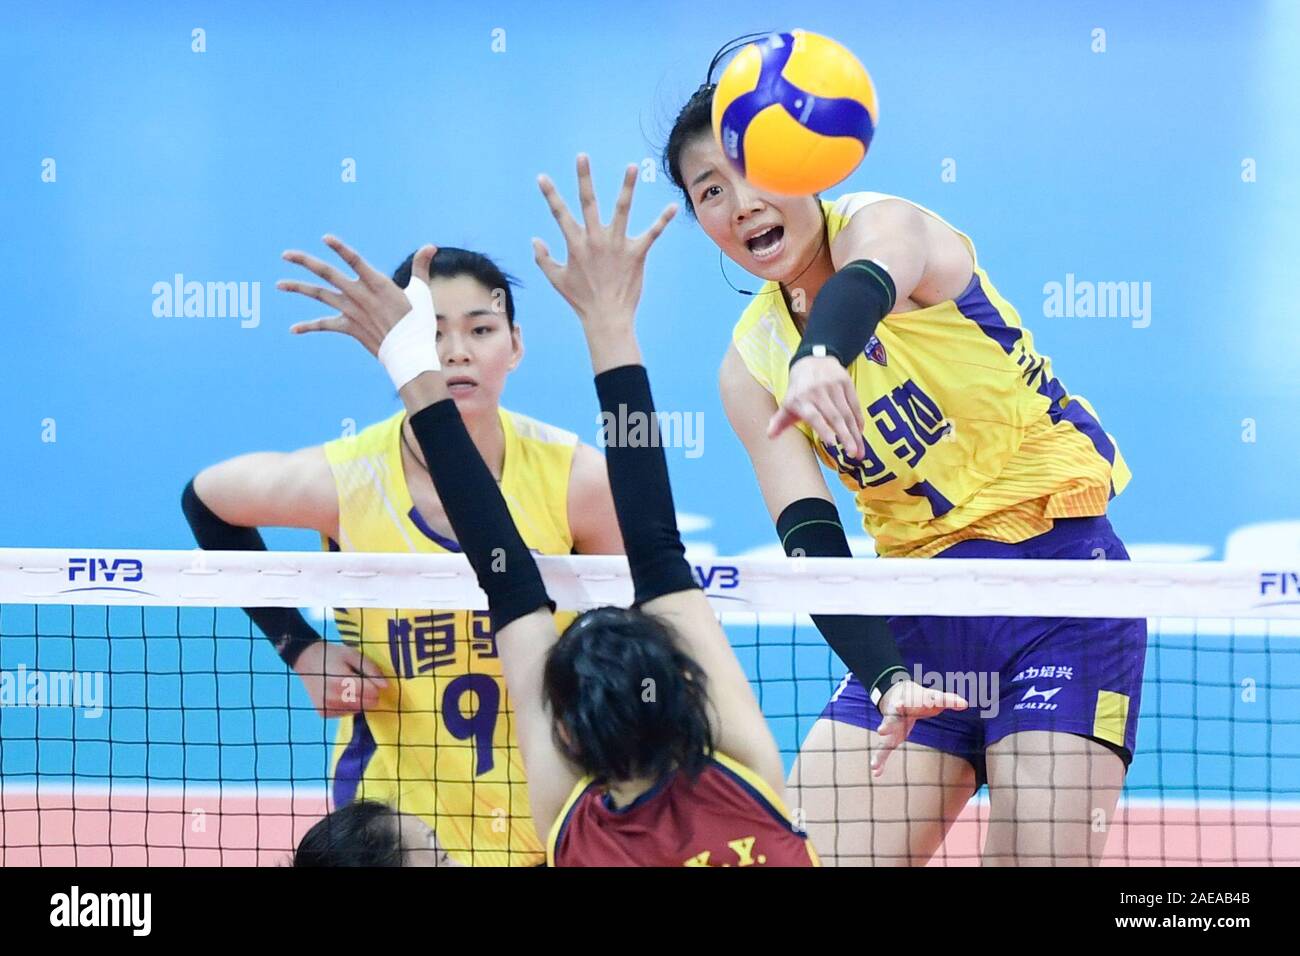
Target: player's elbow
(191,502)
(206,483)
(198,515)
(210,498)
(202,495)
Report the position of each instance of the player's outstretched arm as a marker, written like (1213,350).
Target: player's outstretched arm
(273,490)
(227,503)
(602,280)
(399,327)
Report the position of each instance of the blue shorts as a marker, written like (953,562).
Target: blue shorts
(1071,675)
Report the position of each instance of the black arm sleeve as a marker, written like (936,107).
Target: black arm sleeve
(811,527)
(848,308)
(638,478)
(505,568)
(286,628)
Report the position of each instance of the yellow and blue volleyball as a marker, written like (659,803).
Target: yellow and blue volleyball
(794,113)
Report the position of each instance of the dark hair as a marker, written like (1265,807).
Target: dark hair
(365,833)
(450,262)
(631,702)
(696,117)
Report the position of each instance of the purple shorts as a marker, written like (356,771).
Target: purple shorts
(1071,675)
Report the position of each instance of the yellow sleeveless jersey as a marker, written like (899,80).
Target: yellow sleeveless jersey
(440,744)
(968,433)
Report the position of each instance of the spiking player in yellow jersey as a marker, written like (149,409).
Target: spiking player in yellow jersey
(879,346)
(425,721)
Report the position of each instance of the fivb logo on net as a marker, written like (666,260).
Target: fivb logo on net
(716,577)
(104,574)
(1278,588)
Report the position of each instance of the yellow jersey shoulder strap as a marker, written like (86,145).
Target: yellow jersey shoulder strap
(530,429)
(562,818)
(840,211)
(371,487)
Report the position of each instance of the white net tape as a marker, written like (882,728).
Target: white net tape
(965,588)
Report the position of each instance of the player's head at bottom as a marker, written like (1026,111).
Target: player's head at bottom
(370,833)
(627,704)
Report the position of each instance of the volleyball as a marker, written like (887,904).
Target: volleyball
(794,113)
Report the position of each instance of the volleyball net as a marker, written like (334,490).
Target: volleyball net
(145,721)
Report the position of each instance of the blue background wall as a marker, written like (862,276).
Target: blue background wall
(1130,164)
(1117,166)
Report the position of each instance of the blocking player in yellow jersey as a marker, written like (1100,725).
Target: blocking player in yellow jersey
(879,347)
(425,722)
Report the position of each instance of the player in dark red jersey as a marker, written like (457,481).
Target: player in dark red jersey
(643,742)
(675,764)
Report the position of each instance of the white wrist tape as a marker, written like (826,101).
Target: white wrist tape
(411,346)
